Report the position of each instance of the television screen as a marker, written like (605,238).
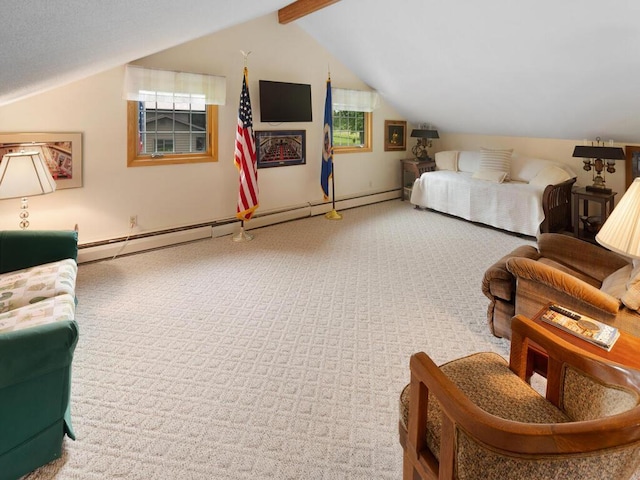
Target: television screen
(284,102)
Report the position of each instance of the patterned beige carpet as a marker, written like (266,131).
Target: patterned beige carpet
(280,358)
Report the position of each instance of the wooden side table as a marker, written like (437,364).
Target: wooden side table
(624,351)
(410,170)
(606,201)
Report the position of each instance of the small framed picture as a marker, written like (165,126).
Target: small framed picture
(278,148)
(395,135)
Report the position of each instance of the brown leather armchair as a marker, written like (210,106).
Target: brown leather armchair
(562,270)
(478,418)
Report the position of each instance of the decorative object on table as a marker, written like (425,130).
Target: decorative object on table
(24,174)
(395,135)
(424,134)
(62,153)
(583,327)
(599,158)
(592,223)
(621,231)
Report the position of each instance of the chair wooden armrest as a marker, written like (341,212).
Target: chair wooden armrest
(506,437)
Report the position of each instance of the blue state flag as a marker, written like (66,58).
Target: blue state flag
(327,144)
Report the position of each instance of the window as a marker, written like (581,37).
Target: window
(352,119)
(160,134)
(172,117)
(351,131)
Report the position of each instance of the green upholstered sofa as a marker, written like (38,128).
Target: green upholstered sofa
(35,359)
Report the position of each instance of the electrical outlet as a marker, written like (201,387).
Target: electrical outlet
(133,221)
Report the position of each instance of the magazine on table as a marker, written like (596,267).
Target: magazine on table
(587,328)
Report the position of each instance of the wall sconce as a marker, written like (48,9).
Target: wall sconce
(424,135)
(24,174)
(594,158)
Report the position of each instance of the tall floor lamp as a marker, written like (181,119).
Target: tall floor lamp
(621,231)
(24,174)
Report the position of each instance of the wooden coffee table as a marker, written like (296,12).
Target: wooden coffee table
(626,350)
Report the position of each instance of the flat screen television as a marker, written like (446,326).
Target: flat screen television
(285,102)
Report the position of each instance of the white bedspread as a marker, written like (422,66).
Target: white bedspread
(512,206)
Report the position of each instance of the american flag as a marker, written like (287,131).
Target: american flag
(245,156)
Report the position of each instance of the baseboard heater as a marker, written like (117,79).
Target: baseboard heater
(89,252)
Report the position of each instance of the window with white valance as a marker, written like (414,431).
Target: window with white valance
(171,116)
(352,119)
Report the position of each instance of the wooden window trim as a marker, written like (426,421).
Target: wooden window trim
(368,136)
(135,160)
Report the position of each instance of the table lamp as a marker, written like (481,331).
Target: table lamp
(424,135)
(24,174)
(621,232)
(593,156)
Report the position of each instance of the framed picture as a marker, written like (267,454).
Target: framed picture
(395,135)
(61,151)
(632,165)
(278,148)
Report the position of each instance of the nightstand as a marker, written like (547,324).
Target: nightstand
(410,170)
(606,201)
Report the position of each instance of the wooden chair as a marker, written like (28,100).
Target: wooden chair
(477,417)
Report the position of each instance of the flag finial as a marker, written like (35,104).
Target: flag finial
(245,55)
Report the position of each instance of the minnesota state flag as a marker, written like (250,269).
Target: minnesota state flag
(327,144)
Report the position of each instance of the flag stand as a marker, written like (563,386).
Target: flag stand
(333,214)
(242,236)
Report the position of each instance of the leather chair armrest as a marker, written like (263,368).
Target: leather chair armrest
(565,283)
(582,256)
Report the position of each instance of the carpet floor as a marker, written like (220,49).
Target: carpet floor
(279,358)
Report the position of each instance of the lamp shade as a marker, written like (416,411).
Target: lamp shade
(621,231)
(424,133)
(606,153)
(24,174)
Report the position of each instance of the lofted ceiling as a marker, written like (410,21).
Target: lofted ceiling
(544,68)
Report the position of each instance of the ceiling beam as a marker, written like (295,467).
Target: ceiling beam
(300,8)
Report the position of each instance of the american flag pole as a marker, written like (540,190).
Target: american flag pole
(245,160)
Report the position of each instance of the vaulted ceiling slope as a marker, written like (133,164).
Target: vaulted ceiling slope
(47,43)
(544,68)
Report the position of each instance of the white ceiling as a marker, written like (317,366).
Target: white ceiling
(544,68)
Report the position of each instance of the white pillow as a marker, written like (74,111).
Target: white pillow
(490,175)
(447,160)
(550,175)
(616,283)
(498,160)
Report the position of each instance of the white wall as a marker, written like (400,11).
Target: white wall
(177,195)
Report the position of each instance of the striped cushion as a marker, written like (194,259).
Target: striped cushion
(497,160)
